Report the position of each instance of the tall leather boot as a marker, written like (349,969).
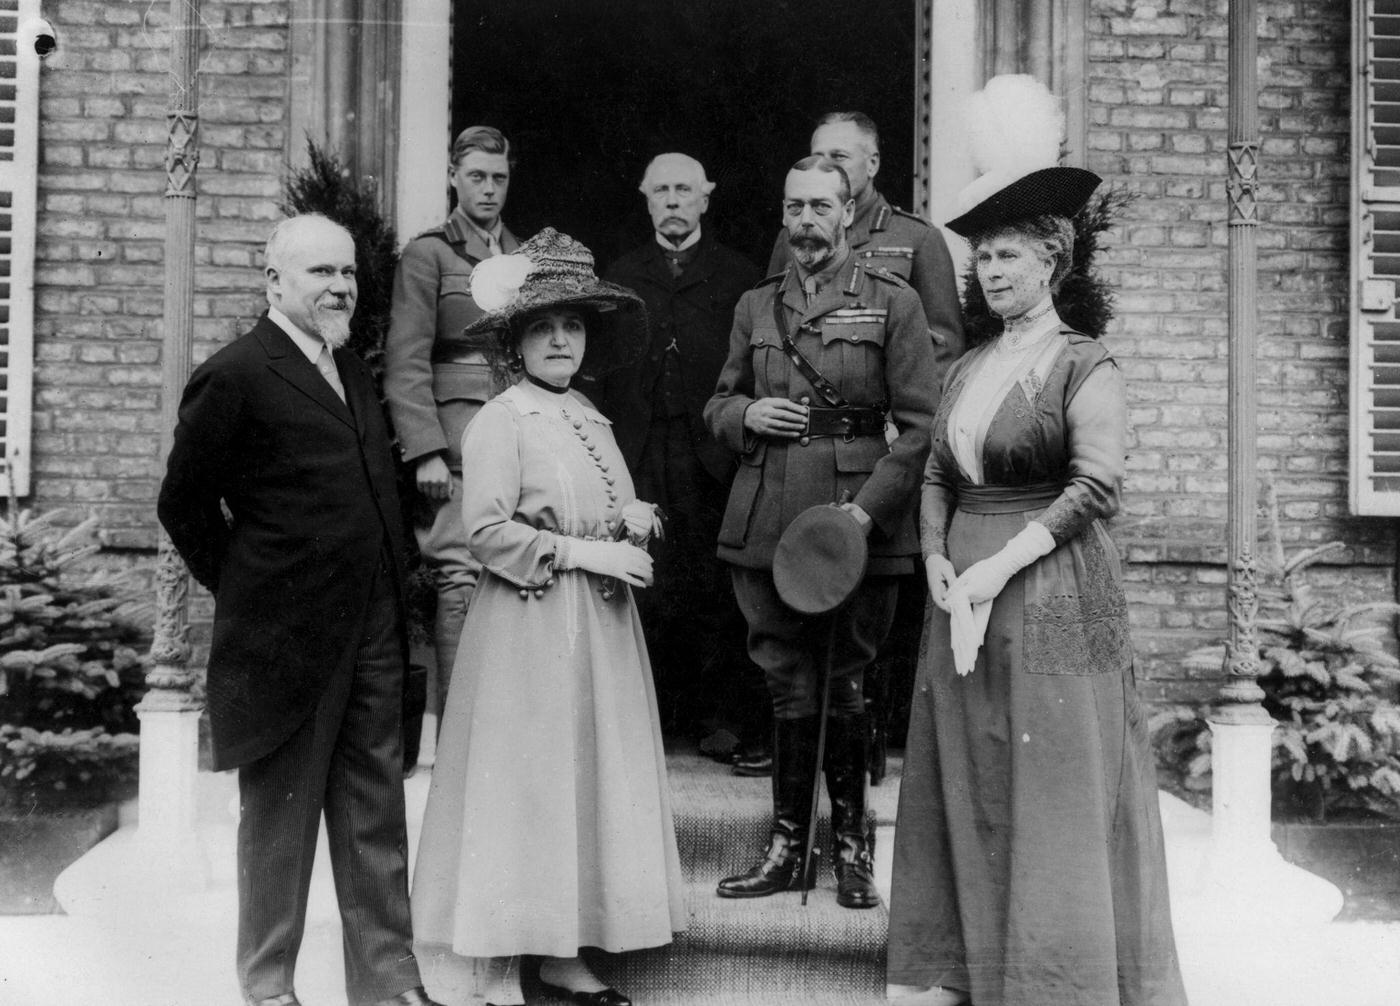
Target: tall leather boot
(847,755)
(794,764)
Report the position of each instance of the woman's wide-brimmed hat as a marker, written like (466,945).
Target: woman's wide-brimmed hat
(1014,128)
(552,271)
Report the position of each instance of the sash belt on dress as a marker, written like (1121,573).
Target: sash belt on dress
(1007,499)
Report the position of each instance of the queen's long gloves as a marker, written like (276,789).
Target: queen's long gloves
(969,598)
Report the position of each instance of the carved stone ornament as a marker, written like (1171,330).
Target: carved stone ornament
(181,154)
(1242,185)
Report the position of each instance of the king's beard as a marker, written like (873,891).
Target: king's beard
(811,250)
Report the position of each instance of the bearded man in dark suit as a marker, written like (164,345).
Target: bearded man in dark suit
(690,283)
(282,429)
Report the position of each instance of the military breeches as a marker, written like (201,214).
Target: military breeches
(443,544)
(792,649)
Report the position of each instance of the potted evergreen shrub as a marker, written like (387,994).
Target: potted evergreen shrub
(72,667)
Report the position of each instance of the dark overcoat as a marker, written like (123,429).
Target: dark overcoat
(866,334)
(432,398)
(308,483)
(697,311)
(886,237)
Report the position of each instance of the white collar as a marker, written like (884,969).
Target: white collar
(692,239)
(309,344)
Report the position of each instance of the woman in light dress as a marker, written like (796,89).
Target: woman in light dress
(548,826)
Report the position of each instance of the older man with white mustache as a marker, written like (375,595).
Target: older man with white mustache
(281,428)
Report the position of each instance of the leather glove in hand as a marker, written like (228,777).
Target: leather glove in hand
(984,579)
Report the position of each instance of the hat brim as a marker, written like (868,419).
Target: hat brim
(1061,191)
(820,560)
(617,336)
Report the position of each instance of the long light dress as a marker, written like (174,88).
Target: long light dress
(1028,860)
(548,825)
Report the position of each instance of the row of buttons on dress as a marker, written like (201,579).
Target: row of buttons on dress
(608,480)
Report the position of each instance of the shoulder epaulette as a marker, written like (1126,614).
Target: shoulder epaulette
(910,216)
(430,232)
(771,279)
(880,272)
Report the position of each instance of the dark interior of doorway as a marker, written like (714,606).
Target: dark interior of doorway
(590,90)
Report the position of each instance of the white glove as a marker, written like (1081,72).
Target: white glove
(967,626)
(940,575)
(642,521)
(618,559)
(984,579)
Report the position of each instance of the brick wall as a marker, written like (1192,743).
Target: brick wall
(99,269)
(1158,95)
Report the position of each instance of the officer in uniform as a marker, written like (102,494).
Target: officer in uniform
(820,355)
(887,237)
(690,283)
(435,378)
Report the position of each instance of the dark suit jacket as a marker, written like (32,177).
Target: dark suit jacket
(696,310)
(309,484)
(866,334)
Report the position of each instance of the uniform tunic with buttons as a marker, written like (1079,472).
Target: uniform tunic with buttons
(886,237)
(867,335)
(548,825)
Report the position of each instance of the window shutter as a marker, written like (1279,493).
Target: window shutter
(19,164)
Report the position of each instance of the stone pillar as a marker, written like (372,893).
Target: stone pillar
(141,874)
(1243,874)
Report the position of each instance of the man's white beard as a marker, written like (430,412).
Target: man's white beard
(333,327)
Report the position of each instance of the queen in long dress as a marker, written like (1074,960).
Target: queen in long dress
(548,826)
(1028,860)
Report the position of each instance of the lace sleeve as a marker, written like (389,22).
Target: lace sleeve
(1096,419)
(935,508)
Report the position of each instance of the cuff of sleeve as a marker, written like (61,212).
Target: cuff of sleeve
(562,558)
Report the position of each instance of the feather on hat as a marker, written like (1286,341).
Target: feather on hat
(1014,128)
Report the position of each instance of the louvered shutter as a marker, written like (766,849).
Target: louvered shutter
(1375,265)
(19,151)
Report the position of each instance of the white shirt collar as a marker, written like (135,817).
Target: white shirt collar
(308,344)
(692,239)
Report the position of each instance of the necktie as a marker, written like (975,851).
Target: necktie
(809,287)
(493,244)
(326,366)
(676,265)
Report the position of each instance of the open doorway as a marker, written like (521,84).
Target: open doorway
(590,90)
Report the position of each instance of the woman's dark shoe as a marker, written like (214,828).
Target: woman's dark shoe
(603,997)
(752,763)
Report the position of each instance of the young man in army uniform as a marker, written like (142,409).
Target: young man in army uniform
(435,379)
(820,355)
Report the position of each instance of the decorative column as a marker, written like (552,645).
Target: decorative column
(1240,726)
(163,854)
(169,712)
(1244,878)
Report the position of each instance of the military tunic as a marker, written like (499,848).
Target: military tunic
(865,334)
(435,380)
(886,237)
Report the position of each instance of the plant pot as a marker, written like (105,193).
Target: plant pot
(37,844)
(1360,855)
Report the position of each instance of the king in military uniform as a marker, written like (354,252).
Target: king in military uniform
(884,236)
(436,378)
(820,355)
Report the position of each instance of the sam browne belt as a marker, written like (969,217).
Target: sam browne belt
(849,422)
